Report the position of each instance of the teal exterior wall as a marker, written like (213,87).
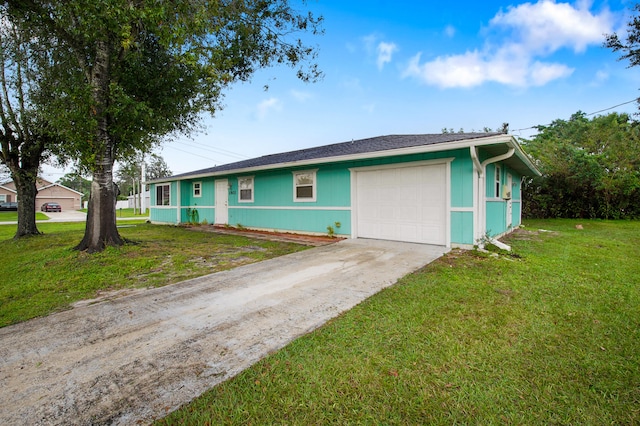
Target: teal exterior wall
(293,220)
(462,228)
(496,207)
(164,214)
(462,180)
(273,205)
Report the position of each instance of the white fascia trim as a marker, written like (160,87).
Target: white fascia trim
(404,165)
(61,186)
(525,158)
(197,207)
(289,208)
(8,189)
(422,149)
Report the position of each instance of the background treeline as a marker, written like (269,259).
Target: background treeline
(590,169)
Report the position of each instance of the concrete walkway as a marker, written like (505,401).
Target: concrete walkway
(72,216)
(133,358)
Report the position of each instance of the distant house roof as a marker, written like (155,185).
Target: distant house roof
(7,188)
(362,148)
(41,184)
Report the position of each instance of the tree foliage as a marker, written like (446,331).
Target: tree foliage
(77,182)
(629,47)
(130,72)
(26,136)
(129,171)
(591,169)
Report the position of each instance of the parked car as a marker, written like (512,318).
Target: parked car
(51,207)
(9,207)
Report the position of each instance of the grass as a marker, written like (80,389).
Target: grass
(43,274)
(13,216)
(550,335)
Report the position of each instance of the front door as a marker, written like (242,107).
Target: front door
(222,202)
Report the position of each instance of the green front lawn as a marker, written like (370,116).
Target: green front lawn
(13,216)
(42,274)
(550,335)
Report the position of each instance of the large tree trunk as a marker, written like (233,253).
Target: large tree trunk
(101,230)
(26,189)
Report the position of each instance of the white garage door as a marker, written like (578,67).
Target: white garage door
(402,204)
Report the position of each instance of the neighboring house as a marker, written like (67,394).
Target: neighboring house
(443,189)
(48,192)
(7,194)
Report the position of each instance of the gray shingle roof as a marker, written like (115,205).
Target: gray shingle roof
(362,146)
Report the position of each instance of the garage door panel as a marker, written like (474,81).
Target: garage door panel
(404,204)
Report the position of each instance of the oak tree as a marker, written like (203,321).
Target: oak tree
(26,137)
(134,71)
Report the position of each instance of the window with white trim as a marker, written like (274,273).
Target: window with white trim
(498,181)
(163,195)
(245,189)
(197,189)
(304,186)
(3,198)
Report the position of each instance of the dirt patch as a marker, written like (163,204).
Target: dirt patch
(527,234)
(287,237)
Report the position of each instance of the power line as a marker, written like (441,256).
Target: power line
(586,115)
(191,153)
(615,106)
(213,149)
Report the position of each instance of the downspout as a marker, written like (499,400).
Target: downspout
(481,191)
(178,203)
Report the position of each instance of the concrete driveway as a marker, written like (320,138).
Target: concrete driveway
(66,216)
(135,357)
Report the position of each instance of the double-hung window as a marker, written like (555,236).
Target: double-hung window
(163,195)
(304,186)
(245,189)
(197,189)
(498,181)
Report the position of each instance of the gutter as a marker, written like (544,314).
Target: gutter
(481,191)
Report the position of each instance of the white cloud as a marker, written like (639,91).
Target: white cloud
(301,96)
(547,26)
(385,52)
(450,31)
(528,33)
(370,42)
(266,106)
(600,77)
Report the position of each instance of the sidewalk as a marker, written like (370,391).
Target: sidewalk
(72,216)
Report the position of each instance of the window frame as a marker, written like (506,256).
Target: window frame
(252,189)
(314,186)
(498,181)
(160,195)
(197,189)
(3,198)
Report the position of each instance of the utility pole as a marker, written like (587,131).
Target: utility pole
(143,192)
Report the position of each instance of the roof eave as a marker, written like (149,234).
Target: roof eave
(461,144)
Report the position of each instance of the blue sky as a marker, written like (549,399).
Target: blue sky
(419,67)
